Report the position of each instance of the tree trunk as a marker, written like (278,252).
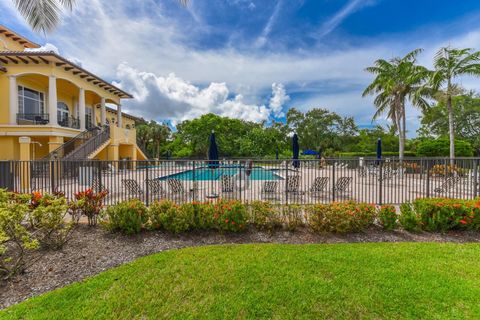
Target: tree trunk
(451,131)
(401,132)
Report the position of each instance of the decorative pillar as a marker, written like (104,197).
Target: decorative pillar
(25,157)
(103,113)
(52,100)
(13,102)
(81,108)
(119,116)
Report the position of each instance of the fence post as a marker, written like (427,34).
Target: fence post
(147,185)
(99,176)
(333,181)
(286,182)
(52,176)
(380,183)
(475,178)
(194,189)
(428,178)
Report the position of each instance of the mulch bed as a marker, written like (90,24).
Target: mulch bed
(93,250)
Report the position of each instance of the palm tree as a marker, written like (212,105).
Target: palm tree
(44,15)
(449,64)
(396,81)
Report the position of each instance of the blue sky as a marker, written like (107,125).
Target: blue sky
(253,59)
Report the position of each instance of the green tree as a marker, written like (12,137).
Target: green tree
(450,64)
(320,128)
(396,81)
(152,136)
(466,116)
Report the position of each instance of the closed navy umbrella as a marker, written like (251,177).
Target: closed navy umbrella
(296,151)
(276,153)
(213,152)
(379,150)
(213,161)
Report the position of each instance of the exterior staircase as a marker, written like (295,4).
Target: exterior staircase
(82,146)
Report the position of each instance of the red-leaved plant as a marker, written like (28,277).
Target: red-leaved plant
(88,203)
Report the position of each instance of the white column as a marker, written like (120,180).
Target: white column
(103,113)
(81,108)
(52,100)
(119,116)
(13,102)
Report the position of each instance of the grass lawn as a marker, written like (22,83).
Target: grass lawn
(341,281)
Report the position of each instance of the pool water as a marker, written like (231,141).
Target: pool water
(205,173)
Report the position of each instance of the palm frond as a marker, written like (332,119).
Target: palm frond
(42,15)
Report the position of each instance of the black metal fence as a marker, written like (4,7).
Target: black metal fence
(386,181)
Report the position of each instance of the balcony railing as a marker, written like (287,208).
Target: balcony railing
(70,122)
(32,118)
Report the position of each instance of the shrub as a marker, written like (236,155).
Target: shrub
(90,204)
(442,214)
(230,215)
(441,148)
(387,215)
(15,239)
(127,217)
(204,213)
(293,216)
(264,216)
(447,170)
(408,219)
(341,217)
(171,217)
(48,220)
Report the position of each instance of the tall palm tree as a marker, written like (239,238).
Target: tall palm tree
(396,81)
(44,15)
(449,64)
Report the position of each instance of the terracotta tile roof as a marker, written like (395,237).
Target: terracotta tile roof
(36,57)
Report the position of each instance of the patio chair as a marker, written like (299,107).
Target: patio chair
(342,185)
(227,185)
(97,186)
(155,189)
(177,190)
(293,184)
(448,184)
(133,188)
(318,186)
(269,190)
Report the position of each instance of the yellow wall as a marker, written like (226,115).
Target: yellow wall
(4,98)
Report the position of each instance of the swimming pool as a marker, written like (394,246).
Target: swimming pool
(205,173)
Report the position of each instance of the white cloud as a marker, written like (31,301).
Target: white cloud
(333,22)
(175,99)
(278,99)
(48,47)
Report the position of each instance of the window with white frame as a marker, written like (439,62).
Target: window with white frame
(30,101)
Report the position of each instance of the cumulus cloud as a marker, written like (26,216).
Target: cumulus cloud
(170,97)
(278,99)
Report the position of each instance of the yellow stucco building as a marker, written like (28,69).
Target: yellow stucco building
(52,107)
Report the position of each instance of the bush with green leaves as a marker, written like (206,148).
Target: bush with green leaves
(408,218)
(341,217)
(264,216)
(387,215)
(127,217)
(16,240)
(230,215)
(48,218)
(169,216)
(443,214)
(441,148)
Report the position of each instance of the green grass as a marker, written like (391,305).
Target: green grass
(342,281)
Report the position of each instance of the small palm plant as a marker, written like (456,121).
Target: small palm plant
(450,64)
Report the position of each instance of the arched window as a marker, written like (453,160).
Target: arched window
(62,114)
